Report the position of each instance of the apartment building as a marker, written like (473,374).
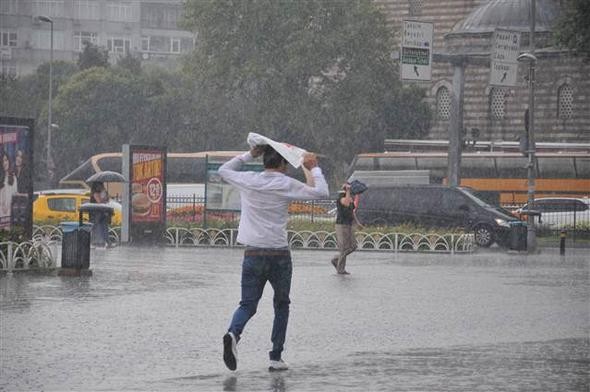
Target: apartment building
(146,28)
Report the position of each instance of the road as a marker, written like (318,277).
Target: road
(153,319)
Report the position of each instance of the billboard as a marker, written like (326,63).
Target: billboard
(16,175)
(147,192)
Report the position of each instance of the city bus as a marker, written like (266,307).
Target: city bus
(558,173)
(186,172)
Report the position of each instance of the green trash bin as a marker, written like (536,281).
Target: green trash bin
(75,245)
(518,236)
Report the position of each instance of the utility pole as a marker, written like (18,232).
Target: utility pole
(531,232)
(456,123)
(50,166)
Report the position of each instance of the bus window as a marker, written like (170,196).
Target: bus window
(478,167)
(364,163)
(556,167)
(436,165)
(109,163)
(186,170)
(582,167)
(511,167)
(396,163)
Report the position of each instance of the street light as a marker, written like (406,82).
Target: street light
(50,166)
(531,149)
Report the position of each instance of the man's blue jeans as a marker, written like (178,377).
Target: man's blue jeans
(258,267)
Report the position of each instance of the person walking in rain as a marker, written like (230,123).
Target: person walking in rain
(265,198)
(345,220)
(100,219)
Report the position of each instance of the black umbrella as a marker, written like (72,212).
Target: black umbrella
(105,176)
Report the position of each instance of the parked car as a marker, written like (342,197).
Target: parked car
(436,206)
(558,212)
(64,204)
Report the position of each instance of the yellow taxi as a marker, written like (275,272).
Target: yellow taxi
(63,205)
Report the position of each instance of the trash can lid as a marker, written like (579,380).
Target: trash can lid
(94,207)
(68,226)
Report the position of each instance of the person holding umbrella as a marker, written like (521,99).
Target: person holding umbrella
(99,219)
(346,205)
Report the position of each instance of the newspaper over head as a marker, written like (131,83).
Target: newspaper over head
(293,154)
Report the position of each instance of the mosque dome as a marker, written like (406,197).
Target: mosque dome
(508,14)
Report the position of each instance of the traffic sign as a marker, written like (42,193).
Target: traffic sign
(503,64)
(416,53)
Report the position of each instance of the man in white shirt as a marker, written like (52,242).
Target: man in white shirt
(265,198)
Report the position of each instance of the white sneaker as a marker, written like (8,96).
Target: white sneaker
(277,366)
(230,351)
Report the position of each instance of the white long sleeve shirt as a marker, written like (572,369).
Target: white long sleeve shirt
(265,198)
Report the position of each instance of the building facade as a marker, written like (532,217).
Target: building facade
(562,96)
(145,28)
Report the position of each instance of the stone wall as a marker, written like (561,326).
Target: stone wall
(554,69)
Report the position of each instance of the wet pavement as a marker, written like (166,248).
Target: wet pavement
(152,319)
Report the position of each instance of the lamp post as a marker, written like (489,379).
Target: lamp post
(50,166)
(531,233)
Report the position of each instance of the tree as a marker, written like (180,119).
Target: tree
(573,29)
(130,62)
(100,109)
(93,56)
(317,73)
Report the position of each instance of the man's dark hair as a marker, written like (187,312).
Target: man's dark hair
(272,159)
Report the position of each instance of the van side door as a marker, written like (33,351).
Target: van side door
(454,209)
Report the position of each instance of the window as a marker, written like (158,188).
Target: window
(9,38)
(497,103)
(9,6)
(8,69)
(565,101)
(86,9)
(42,39)
(81,37)
(119,45)
(67,204)
(443,104)
(145,44)
(174,45)
(49,7)
(120,11)
(160,15)
(415,7)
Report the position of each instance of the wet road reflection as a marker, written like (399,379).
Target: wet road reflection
(152,319)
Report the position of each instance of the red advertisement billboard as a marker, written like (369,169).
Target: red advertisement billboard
(148,168)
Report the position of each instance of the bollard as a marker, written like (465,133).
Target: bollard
(562,236)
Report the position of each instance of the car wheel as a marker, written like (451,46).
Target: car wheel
(484,236)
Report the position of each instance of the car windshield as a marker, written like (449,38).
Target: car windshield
(478,201)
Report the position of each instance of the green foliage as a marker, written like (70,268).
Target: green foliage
(573,29)
(14,235)
(93,56)
(130,62)
(316,73)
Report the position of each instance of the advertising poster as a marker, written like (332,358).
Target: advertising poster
(16,180)
(147,186)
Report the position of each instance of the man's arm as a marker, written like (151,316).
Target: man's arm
(316,186)
(230,170)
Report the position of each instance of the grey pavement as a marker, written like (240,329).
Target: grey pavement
(153,318)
